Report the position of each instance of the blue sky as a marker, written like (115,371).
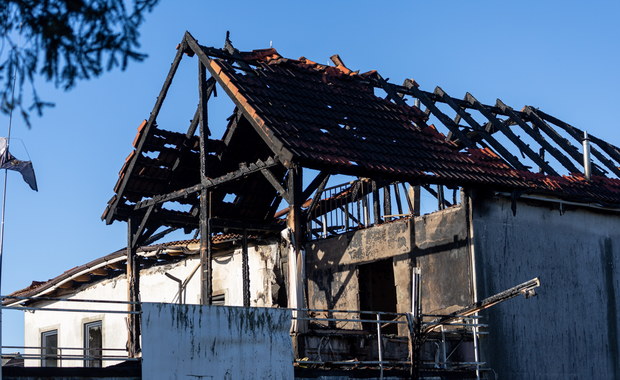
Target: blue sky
(561,56)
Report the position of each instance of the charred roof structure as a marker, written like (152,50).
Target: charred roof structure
(300,114)
(295,117)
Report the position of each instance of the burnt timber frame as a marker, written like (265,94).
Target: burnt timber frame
(567,154)
(145,217)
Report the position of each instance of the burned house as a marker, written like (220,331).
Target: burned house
(372,196)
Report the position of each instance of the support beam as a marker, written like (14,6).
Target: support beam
(376,203)
(147,128)
(399,203)
(318,180)
(245,269)
(206,263)
(152,239)
(295,222)
(133,291)
(387,200)
(499,125)
(209,183)
(276,184)
(317,196)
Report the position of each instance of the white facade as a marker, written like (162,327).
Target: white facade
(155,286)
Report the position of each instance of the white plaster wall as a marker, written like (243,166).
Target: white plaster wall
(215,342)
(70,324)
(154,287)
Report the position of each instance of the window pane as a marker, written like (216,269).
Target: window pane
(49,353)
(93,343)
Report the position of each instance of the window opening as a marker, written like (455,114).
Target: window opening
(49,351)
(93,344)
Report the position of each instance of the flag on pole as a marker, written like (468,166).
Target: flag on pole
(8,161)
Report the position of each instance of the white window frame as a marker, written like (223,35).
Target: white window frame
(52,356)
(95,362)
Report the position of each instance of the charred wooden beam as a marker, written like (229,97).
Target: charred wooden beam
(273,142)
(206,259)
(230,49)
(390,90)
(133,291)
(245,269)
(463,103)
(496,145)
(138,238)
(209,183)
(376,203)
(276,184)
(318,180)
(430,104)
(612,150)
(387,201)
(562,159)
(499,125)
(150,123)
(399,203)
(159,235)
(317,196)
(438,195)
(577,134)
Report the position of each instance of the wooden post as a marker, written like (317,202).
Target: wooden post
(206,272)
(376,203)
(133,290)
(413,195)
(387,201)
(294,222)
(245,269)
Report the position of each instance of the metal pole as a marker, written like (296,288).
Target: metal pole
(379,345)
(8,139)
(443,349)
(474,331)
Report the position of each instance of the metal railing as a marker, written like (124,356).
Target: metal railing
(56,356)
(356,204)
(436,334)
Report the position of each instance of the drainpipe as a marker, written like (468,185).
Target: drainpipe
(587,164)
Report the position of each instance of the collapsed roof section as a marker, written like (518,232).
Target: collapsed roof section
(296,113)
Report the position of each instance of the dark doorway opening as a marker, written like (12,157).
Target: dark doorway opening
(378,293)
